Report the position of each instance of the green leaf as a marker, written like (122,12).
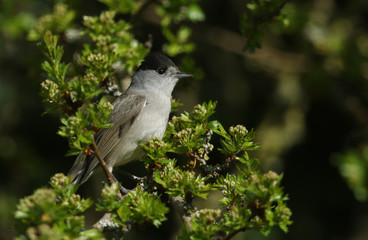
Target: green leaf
(221,131)
(213,125)
(86,137)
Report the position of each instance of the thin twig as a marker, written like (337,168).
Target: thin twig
(233,233)
(108,174)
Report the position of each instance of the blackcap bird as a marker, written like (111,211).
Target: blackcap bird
(139,114)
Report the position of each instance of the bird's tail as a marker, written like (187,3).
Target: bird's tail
(81,170)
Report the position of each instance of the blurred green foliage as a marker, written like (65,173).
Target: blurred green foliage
(257,17)
(57,22)
(353,166)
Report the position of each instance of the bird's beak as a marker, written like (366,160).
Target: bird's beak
(183,75)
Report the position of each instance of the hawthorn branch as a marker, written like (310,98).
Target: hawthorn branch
(233,233)
(108,174)
(110,229)
(182,209)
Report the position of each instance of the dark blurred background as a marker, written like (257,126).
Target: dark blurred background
(304,92)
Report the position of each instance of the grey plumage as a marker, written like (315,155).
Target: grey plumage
(139,114)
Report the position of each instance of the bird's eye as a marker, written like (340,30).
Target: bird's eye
(161,70)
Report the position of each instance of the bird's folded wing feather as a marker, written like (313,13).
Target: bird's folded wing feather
(126,110)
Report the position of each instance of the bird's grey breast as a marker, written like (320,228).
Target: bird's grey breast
(155,115)
(151,122)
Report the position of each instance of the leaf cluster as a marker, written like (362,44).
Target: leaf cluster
(175,12)
(259,15)
(54,213)
(259,197)
(190,133)
(252,200)
(115,48)
(57,22)
(136,208)
(179,183)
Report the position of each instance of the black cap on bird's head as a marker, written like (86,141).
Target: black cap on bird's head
(160,63)
(154,61)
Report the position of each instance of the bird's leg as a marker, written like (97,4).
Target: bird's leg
(123,190)
(137,179)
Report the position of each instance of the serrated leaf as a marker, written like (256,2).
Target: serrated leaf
(213,125)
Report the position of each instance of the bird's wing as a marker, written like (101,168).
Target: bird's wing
(126,110)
